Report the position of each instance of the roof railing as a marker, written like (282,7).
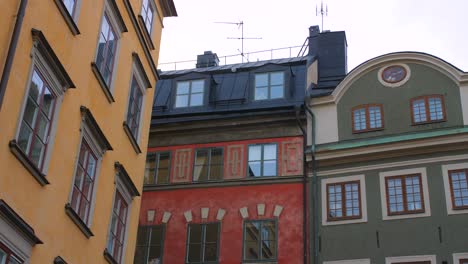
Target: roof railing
(270,54)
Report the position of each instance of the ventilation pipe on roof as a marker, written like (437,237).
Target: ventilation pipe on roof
(207,59)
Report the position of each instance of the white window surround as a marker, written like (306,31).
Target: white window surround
(362,187)
(39,62)
(383,193)
(458,256)
(395,260)
(15,242)
(76,14)
(155,13)
(448,193)
(141,85)
(350,261)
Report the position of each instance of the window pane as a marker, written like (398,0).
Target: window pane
(183,88)
(36,151)
(154,254)
(24,138)
(156,235)
(252,232)
(194,254)
(140,255)
(254,168)
(42,127)
(3,256)
(261,93)
(251,250)
(269,168)
(269,250)
(69,4)
(211,251)
(261,79)
(277,78)
(181,100)
(48,101)
(142,235)
(36,86)
(30,112)
(269,152)
(150,169)
(255,152)
(211,233)
(195,233)
(197,86)
(276,92)
(196,99)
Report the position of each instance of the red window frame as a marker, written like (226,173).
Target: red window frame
(343,201)
(105,59)
(9,254)
(452,193)
(134,108)
(368,121)
(427,109)
(34,126)
(148,15)
(118,226)
(83,186)
(405,195)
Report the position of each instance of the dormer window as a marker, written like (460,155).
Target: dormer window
(367,118)
(189,93)
(269,85)
(427,109)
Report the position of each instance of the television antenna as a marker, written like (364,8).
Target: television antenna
(239,24)
(323,12)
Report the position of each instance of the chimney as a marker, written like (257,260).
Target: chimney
(207,59)
(330,49)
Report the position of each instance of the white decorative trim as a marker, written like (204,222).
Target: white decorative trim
(15,241)
(277,211)
(220,215)
(351,261)
(244,212)
(166,217)
(150,215)
(204,212)
(390,165)
(396,260)
(260,209)
(188,216)
(458,256)
(448,193)
(397,84)
(362,187)
(383,193)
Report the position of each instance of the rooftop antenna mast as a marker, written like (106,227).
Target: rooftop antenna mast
(241,25)
(323,12)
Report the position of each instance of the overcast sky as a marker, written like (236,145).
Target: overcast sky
(373,28)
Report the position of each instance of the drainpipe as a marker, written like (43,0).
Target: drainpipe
(304,186)
(12,49)
(313,190)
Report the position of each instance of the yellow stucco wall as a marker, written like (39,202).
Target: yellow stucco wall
(43,207)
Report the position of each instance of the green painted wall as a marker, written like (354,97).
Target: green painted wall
(396,101)
(405,237)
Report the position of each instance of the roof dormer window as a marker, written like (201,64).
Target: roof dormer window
(189,93)
(269,85)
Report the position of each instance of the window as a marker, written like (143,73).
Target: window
(367,118)
(262,160)
(190,93)
(149,246)
(107,48)
(463,261)
(7,256)
(34,134)
(269,85)
(203,243)
(85,176)
(260,240)
(404,194)
(428,109)
(343,200)
(157,169)
(134,108)
(425,259)
(460,258)
(459,188)
(351,261)
(208,164)
(147,12)
(116,239)
(71,6)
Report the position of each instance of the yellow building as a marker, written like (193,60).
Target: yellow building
(76,93)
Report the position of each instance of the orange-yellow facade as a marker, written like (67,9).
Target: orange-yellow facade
(42,206)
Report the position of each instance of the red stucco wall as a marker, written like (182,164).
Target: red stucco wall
(290,232)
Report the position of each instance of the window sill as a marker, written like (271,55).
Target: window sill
(59,260)
(102,83)
(78,222)
(368,130)
(145,32)
(428,122)
(109,258)
(133,140)
(67,17)
(27,163)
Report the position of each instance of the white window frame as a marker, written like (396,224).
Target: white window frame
(120,187)
(86,134)
(459,256)
(76,15)
(392,260)
(269,85)
(155,14)
(141,85)
(15,241)
(362,188)
(107,10)
(41,64)
(350,261)
(190,94)
(448,192)
(425,188)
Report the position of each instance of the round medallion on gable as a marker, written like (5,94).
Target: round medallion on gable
(394,75)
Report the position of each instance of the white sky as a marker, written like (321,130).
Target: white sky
(373,28)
